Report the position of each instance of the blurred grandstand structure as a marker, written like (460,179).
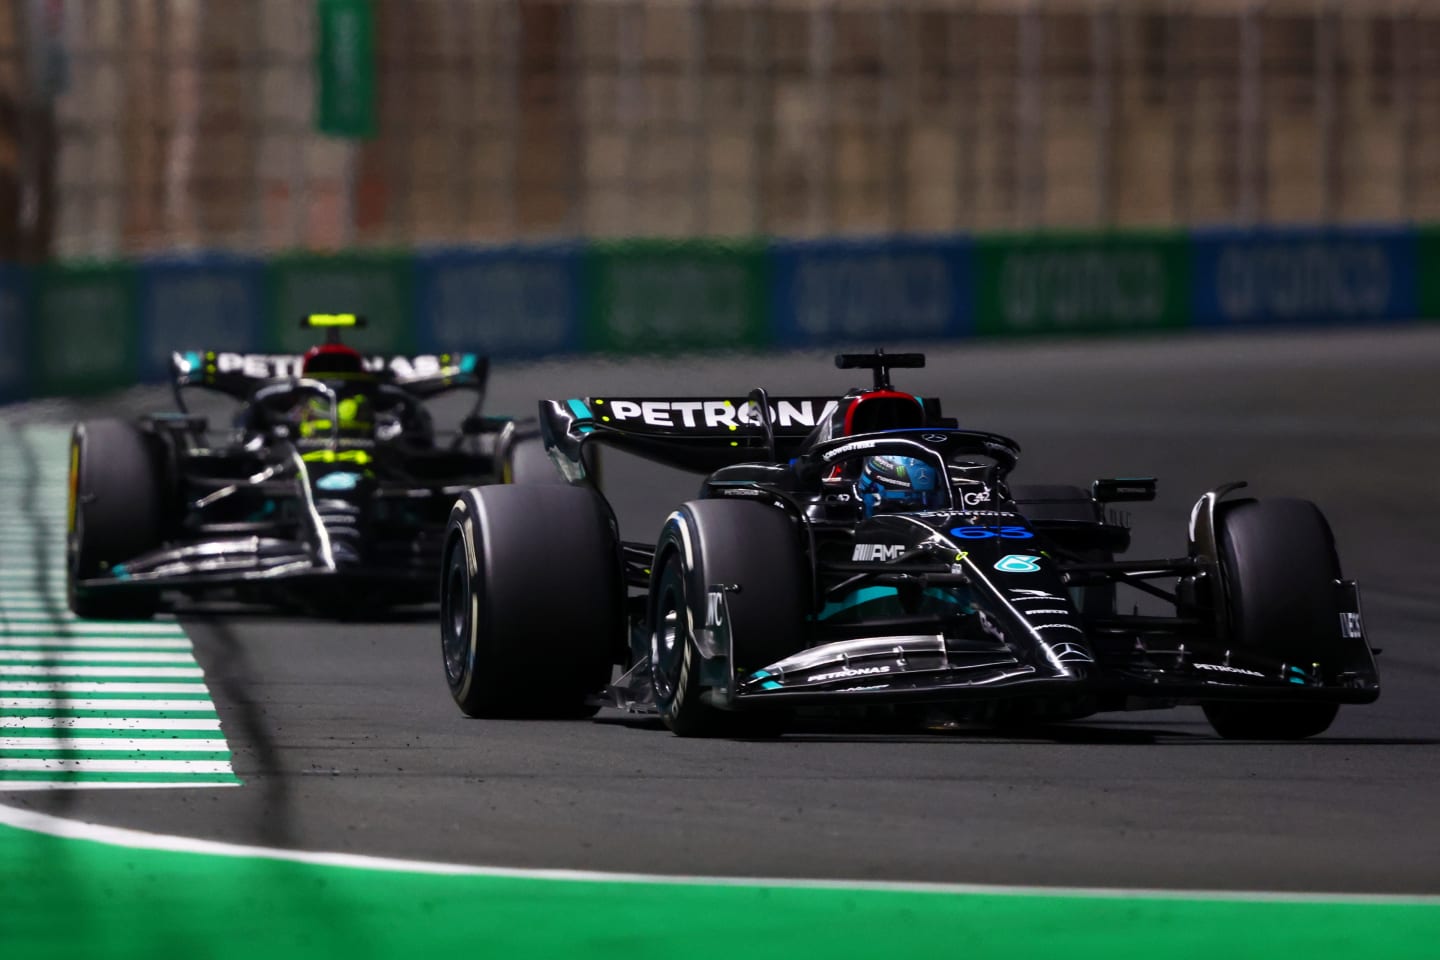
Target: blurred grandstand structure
(137,126)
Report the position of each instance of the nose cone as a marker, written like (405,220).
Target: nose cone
(1078,671)
(1069,658)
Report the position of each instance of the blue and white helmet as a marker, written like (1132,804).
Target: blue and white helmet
(898,484)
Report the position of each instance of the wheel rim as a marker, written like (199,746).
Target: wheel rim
(73,561)
(666,643)
(455,614)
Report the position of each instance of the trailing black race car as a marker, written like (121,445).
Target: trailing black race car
(867,551)
(331,491)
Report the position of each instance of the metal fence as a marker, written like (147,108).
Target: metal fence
(132,126)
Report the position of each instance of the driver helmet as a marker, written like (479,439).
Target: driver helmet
(342,369)
(898,484)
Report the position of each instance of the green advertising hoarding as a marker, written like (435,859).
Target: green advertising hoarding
(377,285)
(654,296)
(84,338)
(1081,283)
(1427,240)
(345,68)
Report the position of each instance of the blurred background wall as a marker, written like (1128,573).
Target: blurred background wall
(140,126)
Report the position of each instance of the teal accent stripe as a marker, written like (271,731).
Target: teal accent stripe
(945,596)
(855,598)
(578,408)
(868,594)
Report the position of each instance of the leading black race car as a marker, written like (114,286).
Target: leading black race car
(867,551)
(330,492)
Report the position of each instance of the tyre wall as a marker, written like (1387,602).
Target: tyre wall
(79,328)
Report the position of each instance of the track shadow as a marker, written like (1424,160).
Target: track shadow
(231,677)
(52,601)
(820,730)
(217,611)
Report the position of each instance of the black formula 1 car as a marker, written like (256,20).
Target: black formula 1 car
(330,492)
(866,551)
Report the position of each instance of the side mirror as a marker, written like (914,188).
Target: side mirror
(1120,489)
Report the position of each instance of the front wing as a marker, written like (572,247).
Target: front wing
(1136,663)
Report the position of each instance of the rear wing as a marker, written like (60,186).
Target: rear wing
(699,434)
(240,374)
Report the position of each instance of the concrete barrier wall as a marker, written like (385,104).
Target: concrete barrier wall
(89,327)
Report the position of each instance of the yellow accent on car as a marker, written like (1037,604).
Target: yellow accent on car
(74,485)
(360,457)
(332,320)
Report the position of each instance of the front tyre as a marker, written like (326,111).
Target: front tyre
(1280,567)
(530,601)
(754,551)
(115,514)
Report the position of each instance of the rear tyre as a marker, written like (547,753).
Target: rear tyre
(1279,564)
(115,513)
(527,462)
(531,601)
(752,549)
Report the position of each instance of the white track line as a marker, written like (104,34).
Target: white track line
(20,786)
(83,703)
(122,744)
(85,628)
(106,723)
(156,673)
(133,644)
(141,840)
(61,686)
(16,765)
(87,656)
(62,619)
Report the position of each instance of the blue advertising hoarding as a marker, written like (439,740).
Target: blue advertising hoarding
(902,288)
(1267,277)
(211,302)
(15,311)
(508,303)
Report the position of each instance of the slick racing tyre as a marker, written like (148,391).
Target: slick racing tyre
(527,463)
(115,515)
(754,552)
(1279,563)
(531,601)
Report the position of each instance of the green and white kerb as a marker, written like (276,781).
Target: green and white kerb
(83,703)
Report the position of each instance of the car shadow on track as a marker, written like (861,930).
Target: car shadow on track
(219,611)
(1079,734)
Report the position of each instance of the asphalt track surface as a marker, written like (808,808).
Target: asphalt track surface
(347,740)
